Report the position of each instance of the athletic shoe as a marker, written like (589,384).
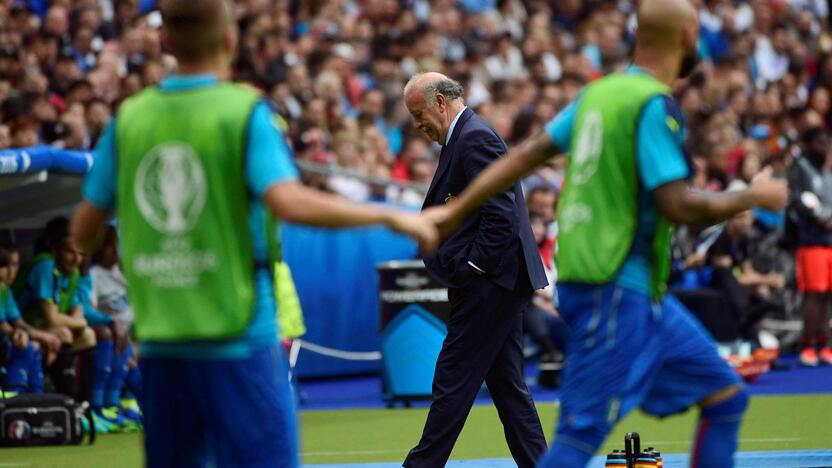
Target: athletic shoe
(826,356)
(131,404)
(124,424)
(102,426)
(131,415)
(808,357)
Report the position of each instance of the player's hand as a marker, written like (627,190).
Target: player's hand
(20,338)
(443,217)
(49,341)
(416,227)
(769,193)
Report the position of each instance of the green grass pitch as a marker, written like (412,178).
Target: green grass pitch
(378,435)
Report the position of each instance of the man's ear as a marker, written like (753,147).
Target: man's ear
(441,102)
(230,39)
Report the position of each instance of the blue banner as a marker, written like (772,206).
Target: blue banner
(335,274)
(44,158)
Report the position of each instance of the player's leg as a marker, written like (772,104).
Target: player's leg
(133,384)
(84,343)
(62,369)
(36,369)
(812,279)
(117,378)
(825,354)
(693,373)
(250,411)
(113,402)
(17,368)
(102,366)
(612,357)
(173,427)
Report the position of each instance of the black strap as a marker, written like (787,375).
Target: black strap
(88,414)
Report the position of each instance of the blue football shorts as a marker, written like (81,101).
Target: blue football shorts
(627,351)
(219,412)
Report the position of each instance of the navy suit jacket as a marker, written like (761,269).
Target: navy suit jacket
(496,237)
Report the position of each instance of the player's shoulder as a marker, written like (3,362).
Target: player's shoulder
(42,267)
(663,111)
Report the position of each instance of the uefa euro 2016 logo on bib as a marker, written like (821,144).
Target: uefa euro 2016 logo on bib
(588,147)
(170,188)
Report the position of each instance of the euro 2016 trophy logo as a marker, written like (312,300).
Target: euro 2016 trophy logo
(19,430)
(170,188)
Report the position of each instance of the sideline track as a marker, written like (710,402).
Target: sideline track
(773,459)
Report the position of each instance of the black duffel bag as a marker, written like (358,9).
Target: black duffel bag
(46,419)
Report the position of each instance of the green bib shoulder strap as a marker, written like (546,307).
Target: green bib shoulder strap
(66,295)
(4,293)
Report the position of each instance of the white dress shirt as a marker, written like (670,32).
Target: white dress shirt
(453,124)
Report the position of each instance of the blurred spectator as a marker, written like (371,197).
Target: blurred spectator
(542,321)
(811,233)
(750,293)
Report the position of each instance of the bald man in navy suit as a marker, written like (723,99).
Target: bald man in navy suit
(491,267)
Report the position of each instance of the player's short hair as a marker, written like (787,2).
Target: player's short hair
(195,28)
(9,247)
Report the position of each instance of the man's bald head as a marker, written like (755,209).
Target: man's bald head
(668,29)
(664,21)
(433,100)
(430,84)
(196,30)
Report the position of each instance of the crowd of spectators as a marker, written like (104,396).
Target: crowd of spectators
(335,69)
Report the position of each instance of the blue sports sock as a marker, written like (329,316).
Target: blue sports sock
(101,373)
(17,370)
(36,372)
(572,448)
(716,435)
(112,396)
(134,384)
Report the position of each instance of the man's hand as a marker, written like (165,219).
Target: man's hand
(777,281)
(769,193)
(695,260)
(416,227)
(20,338)
(443,217)
(49,341)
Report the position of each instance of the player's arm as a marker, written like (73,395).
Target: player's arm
(53,317)
(495,179)
(664,173)
(86,228)
(682,205)
(749,276)
(294,202)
